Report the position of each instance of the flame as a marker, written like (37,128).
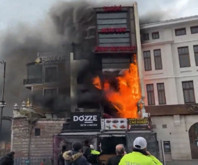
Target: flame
(128,94)
(96,82)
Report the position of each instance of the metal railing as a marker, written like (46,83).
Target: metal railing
(33,161)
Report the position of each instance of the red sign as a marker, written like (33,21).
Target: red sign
(113,30)
(112,8)
(115,49)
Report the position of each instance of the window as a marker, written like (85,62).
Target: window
(195,47)
(188,91)
(50,92)
(167,146)
(164,126)
(113,21)
(51,74)
(145,36)
(158,59)
(147,60)
(194,29)
(34,73)
(184,59)
(161,93)
(150,94)
(180,32)
(155,35)
(37,132)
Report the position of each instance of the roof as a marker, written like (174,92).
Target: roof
(169,22)
(169,110)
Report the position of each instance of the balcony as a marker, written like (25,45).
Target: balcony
(32,81)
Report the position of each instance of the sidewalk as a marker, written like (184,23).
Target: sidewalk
(183,162)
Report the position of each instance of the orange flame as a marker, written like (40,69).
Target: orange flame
(125,99)
(97,83)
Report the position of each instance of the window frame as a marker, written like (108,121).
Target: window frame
(147,60)
(150,94)
(158,59)
(37,132)
(168,143)
(145,36)
(44,89)
(161,94)
(180,31)
(188,92)
(56,74)
(183,56)
(155,35)
(194,27)
(195,54)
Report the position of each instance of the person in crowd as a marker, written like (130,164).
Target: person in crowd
(93,156)
(8,159)
(120,152)
(140,155)
(60,156)
(75,156)
(86,148)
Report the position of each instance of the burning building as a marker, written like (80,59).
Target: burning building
(55,78)
(108,89)
(92,95)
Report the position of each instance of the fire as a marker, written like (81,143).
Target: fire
(125,99)
(97,83)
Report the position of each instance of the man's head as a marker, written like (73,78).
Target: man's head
(77,146)
(139,143)
(91,146)
(120,150)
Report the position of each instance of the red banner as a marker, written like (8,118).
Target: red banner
(112,30)
(112,8)
(115,49)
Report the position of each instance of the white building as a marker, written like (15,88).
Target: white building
(170,53)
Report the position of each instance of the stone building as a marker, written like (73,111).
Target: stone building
(170,81)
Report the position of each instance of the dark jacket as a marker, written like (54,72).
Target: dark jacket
(8,159)
(61,160)
(114,160)
(74,158)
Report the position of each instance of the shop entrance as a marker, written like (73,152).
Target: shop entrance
(193,136)
(108,144)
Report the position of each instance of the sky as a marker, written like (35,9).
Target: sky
(14,12)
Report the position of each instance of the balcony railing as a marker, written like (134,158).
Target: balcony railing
(32,81)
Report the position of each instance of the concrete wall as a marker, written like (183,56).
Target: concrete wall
(41,146)
(177,133)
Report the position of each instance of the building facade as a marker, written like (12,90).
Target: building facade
(170,65)
(169,50)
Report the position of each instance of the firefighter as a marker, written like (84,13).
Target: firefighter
(93,157)
(140,155)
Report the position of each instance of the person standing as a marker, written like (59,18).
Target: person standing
(75,156)
(93,157)
(60,156)
(140,155)
(8,159)
(120,151)
(86,148)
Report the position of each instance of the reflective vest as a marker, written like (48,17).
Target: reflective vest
(137,158)
(94,152)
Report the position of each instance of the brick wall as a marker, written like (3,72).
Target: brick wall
(40,146)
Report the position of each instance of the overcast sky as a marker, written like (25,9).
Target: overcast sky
(13,12)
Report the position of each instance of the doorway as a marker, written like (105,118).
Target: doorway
(193,136)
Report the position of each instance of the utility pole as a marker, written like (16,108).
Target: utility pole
(2,102)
